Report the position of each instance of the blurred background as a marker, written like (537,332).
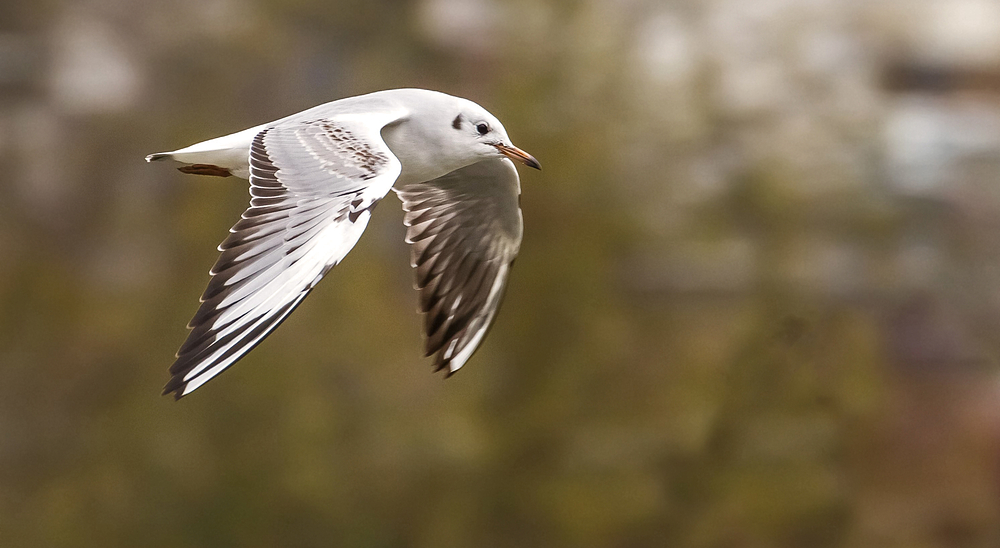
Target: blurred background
(757,303)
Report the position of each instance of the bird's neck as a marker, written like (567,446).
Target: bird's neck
(421,155)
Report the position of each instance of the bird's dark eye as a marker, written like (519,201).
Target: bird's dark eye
(483,128)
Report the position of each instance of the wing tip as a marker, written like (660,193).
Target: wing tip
(174,386)
(447,365)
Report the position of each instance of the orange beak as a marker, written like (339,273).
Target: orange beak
(518,155)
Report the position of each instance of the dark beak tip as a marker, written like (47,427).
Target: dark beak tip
(519,155)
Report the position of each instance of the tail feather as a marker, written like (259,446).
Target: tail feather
(222,156)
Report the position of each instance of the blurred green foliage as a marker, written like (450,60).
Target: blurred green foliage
(667,369)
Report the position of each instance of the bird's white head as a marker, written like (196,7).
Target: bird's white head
(487,135)
(443,133)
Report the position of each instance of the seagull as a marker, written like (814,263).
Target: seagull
(315,177)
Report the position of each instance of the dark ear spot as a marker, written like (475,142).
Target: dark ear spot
(457,122)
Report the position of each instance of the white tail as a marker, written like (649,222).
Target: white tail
(231,152)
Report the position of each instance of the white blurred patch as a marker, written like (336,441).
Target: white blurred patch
(964,32)
(928,139)
(469,25)
(91,68)
(665,51)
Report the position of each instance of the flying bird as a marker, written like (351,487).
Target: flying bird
(315,177)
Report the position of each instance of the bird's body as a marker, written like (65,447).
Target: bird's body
(314,178)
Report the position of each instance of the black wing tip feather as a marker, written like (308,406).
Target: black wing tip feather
(177,384)
(174,386)
(185,364)
(441,363)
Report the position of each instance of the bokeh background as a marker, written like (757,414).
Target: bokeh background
(757,304)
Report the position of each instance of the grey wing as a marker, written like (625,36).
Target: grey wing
(313,185)
(465,229)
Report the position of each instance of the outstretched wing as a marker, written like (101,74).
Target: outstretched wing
(465,230)
(313,184)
